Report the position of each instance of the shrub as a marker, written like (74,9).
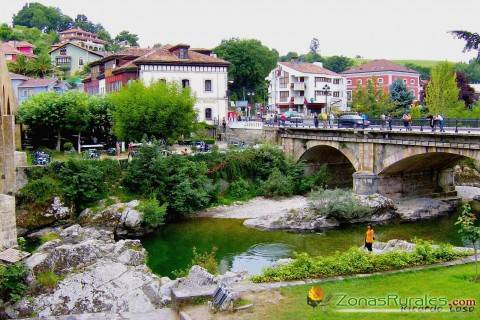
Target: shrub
(47,279)
(318,179)
(152,212)
(44,238)
(339,204)
(40,191)
(206,260)
(278,185)
(68,146)
(239,189)
(355,260)
(12,282)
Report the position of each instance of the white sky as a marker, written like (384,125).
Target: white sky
(392,29)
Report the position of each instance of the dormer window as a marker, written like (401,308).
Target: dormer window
(183,53)
(63,51)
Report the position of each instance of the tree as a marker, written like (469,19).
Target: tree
(42,17)
(338,63)
(310,57)
(314,45)
(289,56)
(163,111)
(469,231)
(42,66)
(20,66)
(466,92)
(471,70)
(442,91)
(56,113)
(371,100)
(400,95)
(472,40)
(131,38)
(424,71)
(251,62)
(100,119)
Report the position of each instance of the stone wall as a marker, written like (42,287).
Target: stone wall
(8,231)
(252,135)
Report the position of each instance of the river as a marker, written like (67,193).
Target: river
(241,248)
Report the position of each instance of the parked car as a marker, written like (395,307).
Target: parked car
(41,158)
(294,117)
(352,121)
(92,154)
(112,151)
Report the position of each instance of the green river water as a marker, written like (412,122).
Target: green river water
(240,248)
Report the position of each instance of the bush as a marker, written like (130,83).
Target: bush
(12,282)
(47,279)
(152,212)
(278,185)
(40,191)
(355,261)
(206,260)
(239,189)
(318,179)
(339,204)
(68,146)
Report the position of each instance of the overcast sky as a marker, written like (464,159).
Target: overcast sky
(392,29)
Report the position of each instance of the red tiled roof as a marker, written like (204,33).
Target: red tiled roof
(379,66)
(98,53)
(37,83)
(76,30)
(308,68)
(165,54)
(133,52)
(8,48)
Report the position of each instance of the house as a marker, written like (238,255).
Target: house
(12,49)
(306,88)
(198,69)
(71,57)
(82,38)
(383,73)
(25,87)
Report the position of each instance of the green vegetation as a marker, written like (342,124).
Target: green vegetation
(12,282)
(401,96)
(278,185)
(44,238)
(160,110)
(371,100)
(338,204)
(206,260)
(355,261)
(47,279)
(153,213)
(40,191)
(445,282)
(470,231)
(442,92)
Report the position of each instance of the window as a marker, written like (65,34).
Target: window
(80,61)
(208,113)
(349,95)
(283,82)
(63,51)
(412,81)
(380,80)
(183,53)
(163,80)
(359,82)
(405,81)
(336,94)
(336,81)
(208,85)
(283,96)
(321,79)
(26,93)
(349,82)
(185,83)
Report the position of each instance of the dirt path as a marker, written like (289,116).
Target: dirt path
(257,207)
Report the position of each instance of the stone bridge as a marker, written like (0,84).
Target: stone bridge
(396,164)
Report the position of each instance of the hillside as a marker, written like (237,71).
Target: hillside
(422,63)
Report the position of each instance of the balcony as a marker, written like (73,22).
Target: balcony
(63,61)
(299,86)
(299,100)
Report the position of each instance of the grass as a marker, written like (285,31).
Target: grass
(451,282)
(47,279)
(49,237)
(422,63)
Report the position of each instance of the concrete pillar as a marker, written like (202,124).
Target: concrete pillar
(8,230)
(446,180)
(365,183)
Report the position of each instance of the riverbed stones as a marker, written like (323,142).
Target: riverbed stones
(425,208)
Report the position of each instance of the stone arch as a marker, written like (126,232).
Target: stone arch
(340,160)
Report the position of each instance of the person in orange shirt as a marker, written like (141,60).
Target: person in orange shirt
(369,237)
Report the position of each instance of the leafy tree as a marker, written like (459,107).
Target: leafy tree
(371,100)
(467,93)
(36,15)
(289,56)
(20,66)
(471,70)
(160,110)
(338,63)
(82,22)
(251,62)
(400,95)
(42,66)
(469,231)
(100,119)
(50,112)
(424,71)
(442,91)
(131,38)
(314,45)
(472,40)
(310,57)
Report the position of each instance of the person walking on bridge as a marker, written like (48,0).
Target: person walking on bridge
(315,120)
(323,116)
(369,238)
(331,119)
(440,122)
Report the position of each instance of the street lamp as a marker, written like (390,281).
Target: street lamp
(250,94)
(326,89)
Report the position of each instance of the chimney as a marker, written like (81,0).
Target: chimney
(318,63)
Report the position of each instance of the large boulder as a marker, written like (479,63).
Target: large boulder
(34,217)
(425,208)
(122,218)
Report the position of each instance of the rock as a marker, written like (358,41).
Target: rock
(57,209)
(230,277)
(122,218)
(198,277)
(381,206)
(97,275)
(424,208)
(282,262)
(391,245)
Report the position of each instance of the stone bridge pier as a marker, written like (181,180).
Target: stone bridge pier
(395,164)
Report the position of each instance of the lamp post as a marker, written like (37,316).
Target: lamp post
(326,89)
(250,94)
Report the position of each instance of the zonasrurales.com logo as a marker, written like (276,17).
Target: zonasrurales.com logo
(388,303)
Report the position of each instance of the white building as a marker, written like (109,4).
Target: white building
(305,87)
(199,69)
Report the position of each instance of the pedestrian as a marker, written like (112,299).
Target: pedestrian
(283,119)
(405,121)
(383,120)
(315,120)
(431,122)
(388,118)
(323,116)
(440,122)
(369,238)
(331,119)
(224,125)
(409,119)
(275,118)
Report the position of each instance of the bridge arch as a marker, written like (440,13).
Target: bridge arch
(341,162)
